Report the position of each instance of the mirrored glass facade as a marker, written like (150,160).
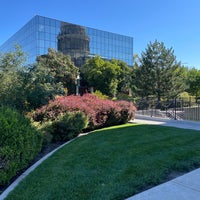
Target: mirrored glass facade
(80,42)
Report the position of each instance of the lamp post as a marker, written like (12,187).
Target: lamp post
(77,84)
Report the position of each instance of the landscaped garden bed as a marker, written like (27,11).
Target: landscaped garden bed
(55,123)
(113,163)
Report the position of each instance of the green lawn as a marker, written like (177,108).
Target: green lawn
(112,163)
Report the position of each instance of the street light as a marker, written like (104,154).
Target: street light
(77,84)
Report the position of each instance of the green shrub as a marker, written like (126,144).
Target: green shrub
(45,129)
(19,143)
(47,137)
(68,125)
(100,95)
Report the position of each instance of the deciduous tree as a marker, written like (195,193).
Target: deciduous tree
(193,81)
(124,76)
(61,68)
(11,87)
(102,75)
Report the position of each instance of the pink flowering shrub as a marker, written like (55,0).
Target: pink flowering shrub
(100,113)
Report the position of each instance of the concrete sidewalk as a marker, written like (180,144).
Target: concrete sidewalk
(141,119)
(186,187)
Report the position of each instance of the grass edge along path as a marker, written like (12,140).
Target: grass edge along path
(112,163)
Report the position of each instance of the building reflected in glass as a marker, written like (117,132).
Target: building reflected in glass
(80,42)
(74,41)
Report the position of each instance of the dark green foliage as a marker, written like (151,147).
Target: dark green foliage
(68,126)
(54,74)
(102,75)
(160,74)
(109,77)
(27,88)
(19,143)
(193,82)
(124,77)
(41,87)
(46,134)
(11,70)
(61,68)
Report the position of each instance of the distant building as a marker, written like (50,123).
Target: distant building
(80,42)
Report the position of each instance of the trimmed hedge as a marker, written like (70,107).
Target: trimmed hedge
(101,113)
(19,143)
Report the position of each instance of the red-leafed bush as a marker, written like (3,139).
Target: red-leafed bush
(101,113)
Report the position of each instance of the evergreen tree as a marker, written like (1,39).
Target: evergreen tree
(159,74)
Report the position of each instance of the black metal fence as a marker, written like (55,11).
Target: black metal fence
(177,108)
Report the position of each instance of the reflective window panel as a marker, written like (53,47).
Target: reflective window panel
(80,42)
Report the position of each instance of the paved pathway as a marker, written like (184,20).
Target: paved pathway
(167,122)
(186,187)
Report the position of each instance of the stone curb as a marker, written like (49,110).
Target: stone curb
(29,170)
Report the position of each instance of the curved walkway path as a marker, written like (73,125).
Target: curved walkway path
(186,187)
(167,122)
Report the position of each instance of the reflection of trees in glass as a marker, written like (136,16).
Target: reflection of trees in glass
(74,41)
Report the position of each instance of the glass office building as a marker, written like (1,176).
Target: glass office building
(80,42)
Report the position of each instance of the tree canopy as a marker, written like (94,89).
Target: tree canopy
(11,68)
(124,76)
(27,88)
(159,73)
(60,67)
(54,74)
(109,77)
(193,82)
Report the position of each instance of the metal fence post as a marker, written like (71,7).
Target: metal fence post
(175,108)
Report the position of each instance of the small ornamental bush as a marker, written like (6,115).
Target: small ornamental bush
(68,126)
(100,95)
(100,112)
(19,143)
(127,111)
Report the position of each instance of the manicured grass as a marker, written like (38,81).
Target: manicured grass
(112,163)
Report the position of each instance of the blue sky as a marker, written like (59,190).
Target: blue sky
(174,22)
